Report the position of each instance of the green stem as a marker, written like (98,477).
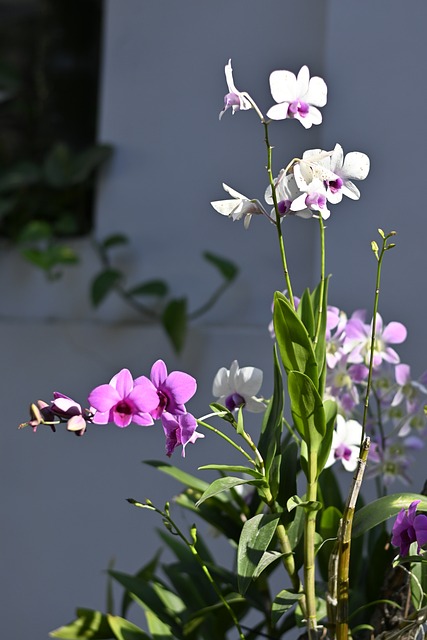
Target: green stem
(229,440)
(278,219)
(379,256)
(322,281)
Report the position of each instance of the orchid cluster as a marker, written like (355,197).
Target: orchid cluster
(308,185)
(124,401)
(280,505)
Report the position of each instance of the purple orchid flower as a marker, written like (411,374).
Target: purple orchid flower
(122,401)
(179,430)
(70,411)
(358,340)
(408,528)
(171,390)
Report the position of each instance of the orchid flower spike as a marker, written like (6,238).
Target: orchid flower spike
(297,96)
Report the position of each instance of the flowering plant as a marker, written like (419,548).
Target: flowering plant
(280,504)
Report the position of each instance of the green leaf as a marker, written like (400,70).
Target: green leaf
(125,630)
(185,478)
(295,346)
(145,573)
(282,603)
(254,540)
(305,312)
(267,558)
(307,411)
(89,624)
(272,424)
(223,484)
(35,231)
(287,483)
(21,176)
(328,528)
(58,167)
(174,321)
(102,284)
(114,240)
(234,468)
(85,163)
(158,628)
(227,269)
(150,288)
(330,408)
(384,508)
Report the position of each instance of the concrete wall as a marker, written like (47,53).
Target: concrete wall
(63,498)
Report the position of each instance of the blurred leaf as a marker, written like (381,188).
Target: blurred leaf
(22,175)
(182,476)
(86,162)
(58,166)
(227,268)
(114,240)
(35,231)
(150,288)
(384,508)
(255,538)
(89,624)
(125,630)
(174,321)
(158,628)
(102,284)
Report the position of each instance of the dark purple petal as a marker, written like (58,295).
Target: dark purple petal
(420,526)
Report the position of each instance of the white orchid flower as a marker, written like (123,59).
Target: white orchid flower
(237,387)
(297,96)
(312,200)
(238,207)
(345,443)
(234,99)
(353,166)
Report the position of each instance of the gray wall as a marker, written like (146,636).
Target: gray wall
(63,498)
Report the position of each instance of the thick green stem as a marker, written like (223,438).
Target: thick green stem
(278,219)
(309,538)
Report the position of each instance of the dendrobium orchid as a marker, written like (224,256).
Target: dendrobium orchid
(70,411)
(354,166)
(345,443)
(409,527)
(358,340)
(122,401)
(238,207)
(171,390)
(297,96)
(179,430)
(312,202)
(237,388)
(234,99)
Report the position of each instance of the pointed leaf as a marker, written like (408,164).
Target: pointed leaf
(295,346)
(103,283)
(255,538)
(151,288)
(114,240)
(223,484)
(234,468)
(125,630)
(305,312)
(174,321)
(182,476)
(384,508)
(90,624)
(227,269)
(282,603)
(272,424)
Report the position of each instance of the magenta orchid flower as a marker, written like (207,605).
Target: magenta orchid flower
(234,99)
(409,527)
(171,390)
(122,401)
(179,430)
(297,96)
